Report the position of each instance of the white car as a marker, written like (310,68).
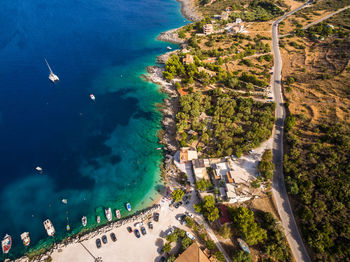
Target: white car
(138,224)
(169,231)
(189,214)
(190,235)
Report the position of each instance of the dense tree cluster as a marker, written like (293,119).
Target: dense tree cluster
(203,184)
(207,208)
(233,124)
(260,11)
(266,167)
(244,220)
(318,175)
(275,245)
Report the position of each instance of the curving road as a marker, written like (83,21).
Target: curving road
(278,187)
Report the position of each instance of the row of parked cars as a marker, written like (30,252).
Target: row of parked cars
(104,240)
(142,228)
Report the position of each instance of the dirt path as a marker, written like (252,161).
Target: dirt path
(326,17)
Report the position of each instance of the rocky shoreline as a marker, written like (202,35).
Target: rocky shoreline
(189,10)
(138,216)
(169,108)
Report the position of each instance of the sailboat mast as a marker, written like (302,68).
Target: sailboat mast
(48,65)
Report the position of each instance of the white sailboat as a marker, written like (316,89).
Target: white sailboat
(52,76)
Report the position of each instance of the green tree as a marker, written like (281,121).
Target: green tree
(289,123)
(203,184)
(210,244)
(177,86)
(186,242)
(225,231)
(266,167)
(177,195)
(167,247)
(244,220)
(220,256)
(172,237)
(241,256)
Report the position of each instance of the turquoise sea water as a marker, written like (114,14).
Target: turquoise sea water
(96,154)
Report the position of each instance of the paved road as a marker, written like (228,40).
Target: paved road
(326,17)
(278,187)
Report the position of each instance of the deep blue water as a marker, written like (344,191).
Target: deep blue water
(95,154)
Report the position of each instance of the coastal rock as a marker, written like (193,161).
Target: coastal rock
(171,36)
(162,59)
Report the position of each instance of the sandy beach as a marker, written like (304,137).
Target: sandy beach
(127,247)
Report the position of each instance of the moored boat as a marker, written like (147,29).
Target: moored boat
(243,245)
(25,238)
(49,228)
(128,207)
(108,213)
(98,219)
(117,213)
(92,97)
(84,221)
(6,244)
(52,76)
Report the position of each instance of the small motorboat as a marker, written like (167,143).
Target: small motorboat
(108,213)
(117,213)
(64,201)
(84,221)
(49,227)
(25,238)
(68,227)
(168,47)
(92,97)
(6,244)
(128,207)
(98,219)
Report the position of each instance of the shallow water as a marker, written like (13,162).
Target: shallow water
(96,154)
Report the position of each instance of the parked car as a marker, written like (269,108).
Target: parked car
(129,229)
(178,204)
(98,243)
(104,239)
(137,233)
(113,237)
(156,217)
(189,214)
(138,224)
(187,202)
(150,225)
(162,259)
(190,235)
(143,231)
(181,217)
(169,231)
(185,198)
